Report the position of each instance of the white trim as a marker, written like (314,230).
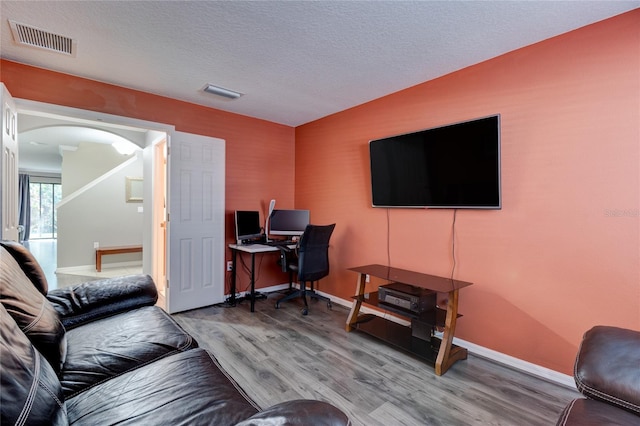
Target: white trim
(89,118)
(90,270)
(518,364)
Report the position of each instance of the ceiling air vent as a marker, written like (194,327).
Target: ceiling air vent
(35,37)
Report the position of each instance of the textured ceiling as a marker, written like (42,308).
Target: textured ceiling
(295,61)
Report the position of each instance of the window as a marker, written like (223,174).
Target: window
(44,197)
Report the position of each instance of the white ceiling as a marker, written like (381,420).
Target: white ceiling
(295,61)
(43,138)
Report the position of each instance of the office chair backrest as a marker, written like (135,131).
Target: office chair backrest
(313,252)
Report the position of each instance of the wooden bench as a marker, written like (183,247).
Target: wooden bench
(103,251)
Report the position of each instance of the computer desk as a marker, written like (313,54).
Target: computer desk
(251,249)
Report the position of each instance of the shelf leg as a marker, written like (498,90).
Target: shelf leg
(446,355)
(355,308)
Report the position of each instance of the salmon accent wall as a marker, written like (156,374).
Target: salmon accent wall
(563,254)
(260,154)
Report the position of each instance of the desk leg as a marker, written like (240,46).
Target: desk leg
(253,282)
(448,355)
(234,254)
(355,308)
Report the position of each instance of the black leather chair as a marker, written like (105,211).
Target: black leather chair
(607,372)
(311,263)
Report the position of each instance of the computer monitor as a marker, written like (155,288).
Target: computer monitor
(288,222)
(247,225)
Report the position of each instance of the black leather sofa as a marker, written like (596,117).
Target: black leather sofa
(607,372)
(101,353)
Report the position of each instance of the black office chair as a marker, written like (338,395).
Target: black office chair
(310,264)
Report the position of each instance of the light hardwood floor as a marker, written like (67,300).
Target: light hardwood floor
(278,355)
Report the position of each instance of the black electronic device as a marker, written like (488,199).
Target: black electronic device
(248,227)
(408,297)
(453,166)
(288,222)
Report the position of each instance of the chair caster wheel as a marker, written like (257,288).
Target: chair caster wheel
(277,306)
(305,311)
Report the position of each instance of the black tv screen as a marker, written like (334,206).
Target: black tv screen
(453,166)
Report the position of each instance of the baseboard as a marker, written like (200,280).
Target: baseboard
(91,269)
(270,289)
(76,269)
(518,364)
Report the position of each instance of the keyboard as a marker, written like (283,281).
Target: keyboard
(280,243)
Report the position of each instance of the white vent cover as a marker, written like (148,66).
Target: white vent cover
(35,37)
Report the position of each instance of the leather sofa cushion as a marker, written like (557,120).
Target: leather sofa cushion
(187,388)
(589,412)
(31,311)
(102,298)
(101,349)
(30,392)
(28,263)
(607,367)
(299,412)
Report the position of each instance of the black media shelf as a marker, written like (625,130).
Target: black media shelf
(400,336)
(419,339)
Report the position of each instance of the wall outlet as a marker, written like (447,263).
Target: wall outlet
(96,244)
(229,266)
(367,278)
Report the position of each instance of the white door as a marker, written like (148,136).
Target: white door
(196,173)
(159,215)
(9,167)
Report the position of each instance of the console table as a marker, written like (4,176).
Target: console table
(442,353)
(103,251)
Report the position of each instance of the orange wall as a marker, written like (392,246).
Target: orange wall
(553,262)
(251,181)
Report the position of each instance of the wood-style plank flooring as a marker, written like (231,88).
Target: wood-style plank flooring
(278,355)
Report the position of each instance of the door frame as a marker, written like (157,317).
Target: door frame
(155,132)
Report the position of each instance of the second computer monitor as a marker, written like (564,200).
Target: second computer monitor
(288,222)
(247,225)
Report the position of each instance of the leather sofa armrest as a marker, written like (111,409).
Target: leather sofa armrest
(589,412)
(607,367)
(300,412)
(93,300)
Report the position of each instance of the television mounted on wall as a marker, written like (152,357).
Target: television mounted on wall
(454,166)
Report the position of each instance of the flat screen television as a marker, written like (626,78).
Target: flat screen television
(288,222)
(454,166)
(247,225)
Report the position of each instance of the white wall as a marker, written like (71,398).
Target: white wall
(100,214)
(88,162)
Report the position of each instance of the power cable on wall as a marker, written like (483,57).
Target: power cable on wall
(453,242)
(388,237)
